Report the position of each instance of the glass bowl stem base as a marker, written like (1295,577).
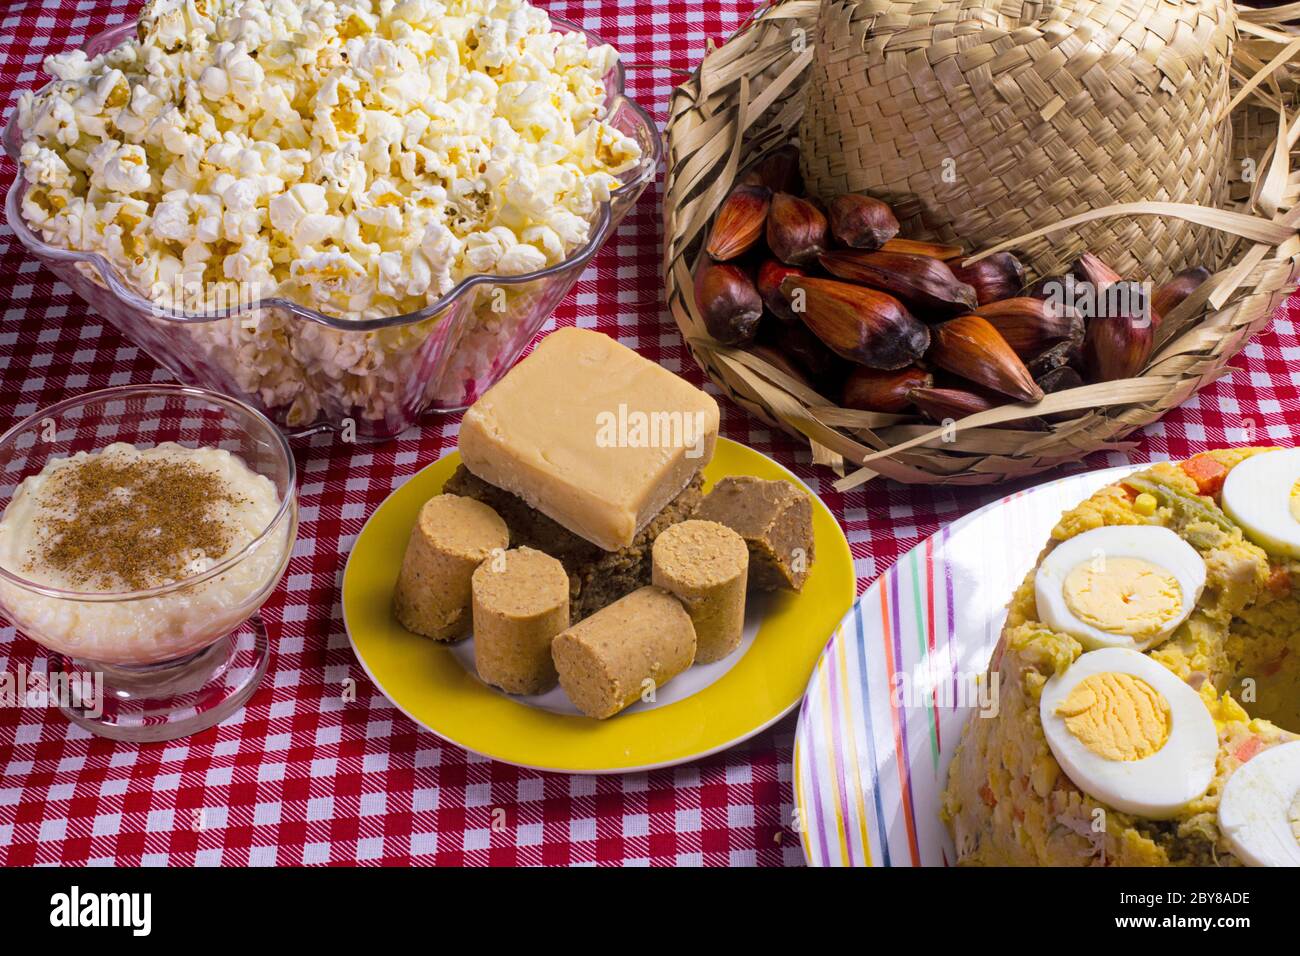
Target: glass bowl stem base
(173,699)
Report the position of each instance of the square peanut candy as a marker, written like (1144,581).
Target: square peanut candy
(775,519)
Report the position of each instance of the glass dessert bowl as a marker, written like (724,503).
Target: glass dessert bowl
(144,528)
(308,370)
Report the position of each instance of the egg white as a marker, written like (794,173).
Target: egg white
(1257,495)
(1158,786)
(1152,543)
(1254,810)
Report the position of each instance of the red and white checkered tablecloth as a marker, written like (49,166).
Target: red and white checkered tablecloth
(300,777)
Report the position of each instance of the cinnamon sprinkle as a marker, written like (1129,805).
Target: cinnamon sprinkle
(115,523)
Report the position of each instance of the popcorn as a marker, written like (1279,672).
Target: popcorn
(521,259)
(44,166)
(358,157)
(171,221)
(290,208)
(118,168)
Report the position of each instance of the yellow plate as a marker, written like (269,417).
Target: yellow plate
(428,684)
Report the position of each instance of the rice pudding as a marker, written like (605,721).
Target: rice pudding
(122,520)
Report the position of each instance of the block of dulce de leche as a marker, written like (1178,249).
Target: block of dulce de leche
(452,536)
(705,564)
(609,660)
(590,434)
(775,520)
(521,601)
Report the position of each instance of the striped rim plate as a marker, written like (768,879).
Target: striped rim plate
(898,679)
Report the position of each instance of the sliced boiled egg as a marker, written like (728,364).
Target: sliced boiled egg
(1259,811)
(1119,586)
(1129,733)
(1262,494)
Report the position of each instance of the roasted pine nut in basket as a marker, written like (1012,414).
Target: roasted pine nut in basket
(946,244)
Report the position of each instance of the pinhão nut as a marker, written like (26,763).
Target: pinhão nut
(778,171)
(770,276)
(1169,296)
(1031,325)
(862,325)
(872,390)
(796,230)
(862,222)
(800,346)
(728,302)
(926,284)
(1089,268)
(969,347)
(1117,347)
(739,223)
(914,247)
(999,276)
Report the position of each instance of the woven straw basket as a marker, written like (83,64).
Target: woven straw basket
(1155,133)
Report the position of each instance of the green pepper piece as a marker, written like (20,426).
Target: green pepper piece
(1191,509)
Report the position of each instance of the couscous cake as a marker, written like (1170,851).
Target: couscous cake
(1150,654)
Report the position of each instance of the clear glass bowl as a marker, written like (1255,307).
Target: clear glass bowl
(170,660)
(373,377)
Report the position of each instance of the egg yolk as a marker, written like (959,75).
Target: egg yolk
(1123,596)
(1295,501)
(1117,716)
